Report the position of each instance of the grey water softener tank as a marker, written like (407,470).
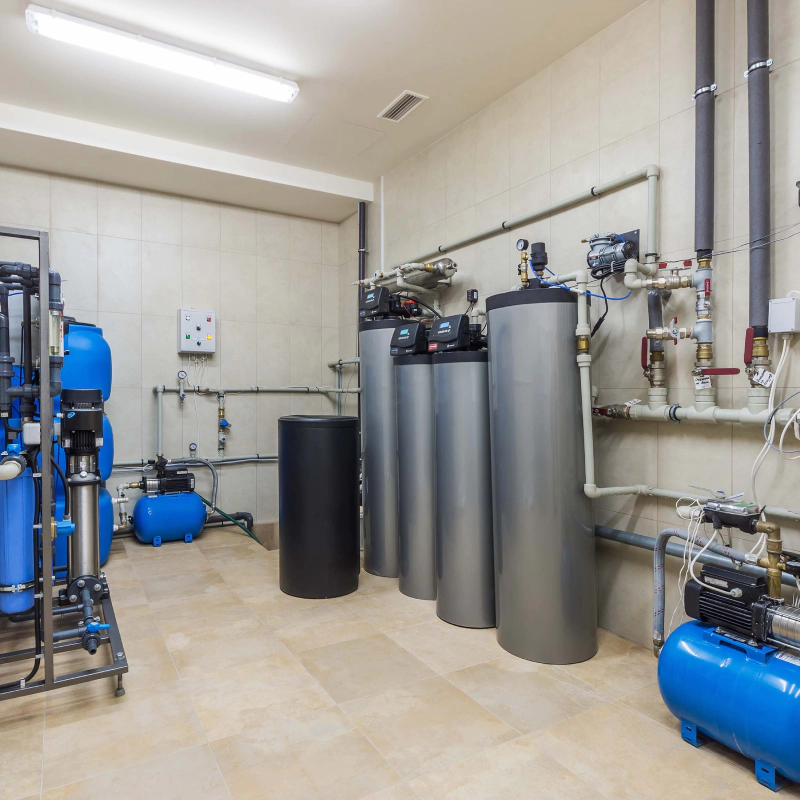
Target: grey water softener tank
(378,434)
(544,538)
(413,371)
(464,558)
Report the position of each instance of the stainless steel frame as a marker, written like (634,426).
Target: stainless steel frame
(119,664)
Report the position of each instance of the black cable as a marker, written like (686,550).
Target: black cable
(424,305)
(57,468)
(605,313)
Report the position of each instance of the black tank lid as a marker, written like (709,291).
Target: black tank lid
(523,297)
(461,357)
(378,324)
(319,421)
(422,358)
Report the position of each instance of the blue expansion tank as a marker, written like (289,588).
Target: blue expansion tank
(16,541)
(88,364)
(746,697)
(168,517)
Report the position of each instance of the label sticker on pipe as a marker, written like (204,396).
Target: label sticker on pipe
(763,377)
(702,381)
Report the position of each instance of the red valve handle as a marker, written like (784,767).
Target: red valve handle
(748,345)
(688,262)
(662,264)
(644,352)
(674,325)
(721,371)
(707,287)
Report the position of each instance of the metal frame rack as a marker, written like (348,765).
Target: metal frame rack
(49,646)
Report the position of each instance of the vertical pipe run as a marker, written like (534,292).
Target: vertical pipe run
(759,143)
(704,130)
(46,417)
(362,265)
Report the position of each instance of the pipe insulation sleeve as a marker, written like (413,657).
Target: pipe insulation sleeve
(704,129)
(759,178)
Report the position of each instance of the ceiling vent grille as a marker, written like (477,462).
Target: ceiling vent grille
(402,106)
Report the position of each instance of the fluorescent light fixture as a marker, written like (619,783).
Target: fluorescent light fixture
(102,39)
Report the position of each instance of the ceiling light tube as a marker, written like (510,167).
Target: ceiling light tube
(130,46)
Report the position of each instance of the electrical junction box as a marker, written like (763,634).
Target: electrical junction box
(784,315)
(197,331)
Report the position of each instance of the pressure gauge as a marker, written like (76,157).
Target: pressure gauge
(522,244)
(182,375)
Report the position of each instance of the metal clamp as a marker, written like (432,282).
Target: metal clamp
(672,409)
(16,588)
(757,65)
(704,89)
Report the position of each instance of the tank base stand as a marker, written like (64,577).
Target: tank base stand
(120,690)
(767,776)
(188,538)
(156,541)
(690,734)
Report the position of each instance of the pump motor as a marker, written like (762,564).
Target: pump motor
(608,252)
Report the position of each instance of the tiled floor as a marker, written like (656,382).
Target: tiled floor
(239,691)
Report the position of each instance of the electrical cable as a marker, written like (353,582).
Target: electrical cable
(424,305)
(767,241)
(603,316)
(228,516)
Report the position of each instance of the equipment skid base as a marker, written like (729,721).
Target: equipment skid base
(116,669)
(766,774)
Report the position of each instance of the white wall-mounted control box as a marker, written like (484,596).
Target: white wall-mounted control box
(784,315)
(197,331)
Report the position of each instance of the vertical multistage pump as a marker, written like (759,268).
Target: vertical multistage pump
(82,438)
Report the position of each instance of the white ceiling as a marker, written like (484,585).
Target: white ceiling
(351,58)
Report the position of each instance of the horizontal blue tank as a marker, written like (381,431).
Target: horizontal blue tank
(106,519)
(16,541)
(746,697)
(168,517)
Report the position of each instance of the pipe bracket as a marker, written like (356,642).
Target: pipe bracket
(757,65)
(704,89)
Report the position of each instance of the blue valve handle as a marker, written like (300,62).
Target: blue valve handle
(223,423)
(65,528)
(93,627)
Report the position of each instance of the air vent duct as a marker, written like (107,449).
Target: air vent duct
(402,106)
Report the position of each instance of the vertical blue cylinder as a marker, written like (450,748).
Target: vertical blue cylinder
(16,541)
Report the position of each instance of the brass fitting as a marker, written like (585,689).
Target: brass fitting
(617,411)
(705,350)
(429,268)
(522,269)
(774,551)
(760,347)
(655,371)
(704,263)
(669,282)
(583,344)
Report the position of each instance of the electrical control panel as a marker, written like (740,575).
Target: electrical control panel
(784,315)
(197,331)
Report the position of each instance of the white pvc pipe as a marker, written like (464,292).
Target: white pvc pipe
(10,470)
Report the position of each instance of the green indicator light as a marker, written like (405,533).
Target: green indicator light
(188,335)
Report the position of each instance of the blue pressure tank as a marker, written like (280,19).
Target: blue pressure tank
(16,540)
(88,365)
(746,697)
(168,517)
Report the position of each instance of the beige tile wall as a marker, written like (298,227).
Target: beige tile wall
(618,102)
(130,259)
